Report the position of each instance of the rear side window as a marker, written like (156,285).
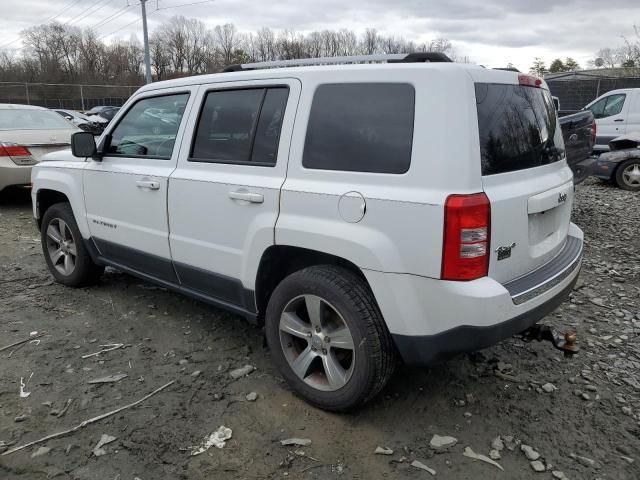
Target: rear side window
(361,127)
(518,128)
(240,126)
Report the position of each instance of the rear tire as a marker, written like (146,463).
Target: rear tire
(343,355)
(64,250)
(628,175)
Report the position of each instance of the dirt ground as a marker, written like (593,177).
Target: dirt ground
(588,427)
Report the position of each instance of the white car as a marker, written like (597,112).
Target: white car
(616,112)
(26,134)
(335,205)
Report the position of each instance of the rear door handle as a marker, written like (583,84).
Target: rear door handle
(619,120)
(247,196)
(149,184)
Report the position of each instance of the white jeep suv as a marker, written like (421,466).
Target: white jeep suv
(360,211)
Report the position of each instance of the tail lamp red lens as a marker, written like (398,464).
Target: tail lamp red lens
(9,150)
(17,153)
(467,237)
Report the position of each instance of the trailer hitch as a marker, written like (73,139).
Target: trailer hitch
(562,341)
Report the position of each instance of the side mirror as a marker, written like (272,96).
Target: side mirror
(83,144)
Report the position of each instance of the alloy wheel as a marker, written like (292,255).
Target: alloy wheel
(631,175)
(61,246)
(317,343)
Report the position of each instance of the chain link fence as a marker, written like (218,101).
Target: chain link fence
(576,93)
(67,96)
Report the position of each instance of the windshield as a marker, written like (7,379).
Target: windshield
(108,113)
(79,115)
(11,119)
(518,128)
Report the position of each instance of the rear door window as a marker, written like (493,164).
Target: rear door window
(240,126)
(361,127)
(518,128)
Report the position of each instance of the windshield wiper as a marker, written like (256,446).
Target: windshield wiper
(554,152)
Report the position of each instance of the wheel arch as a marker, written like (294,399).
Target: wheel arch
(53,185)
(45,198)
(279,261)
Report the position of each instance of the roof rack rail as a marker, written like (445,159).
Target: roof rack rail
(417,57)
(507,69)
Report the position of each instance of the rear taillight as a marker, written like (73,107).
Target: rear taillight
(467,232)
(19,154)
(594,131)
(529,81)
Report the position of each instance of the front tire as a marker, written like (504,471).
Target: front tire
(328,338)
(64,251)
(628,175)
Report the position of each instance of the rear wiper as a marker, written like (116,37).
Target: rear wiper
(553,151)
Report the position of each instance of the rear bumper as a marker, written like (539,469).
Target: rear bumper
(431,320)
(584,169)
(428,349)
(604,168)
(12,174)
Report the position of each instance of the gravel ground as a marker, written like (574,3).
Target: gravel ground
(586,423)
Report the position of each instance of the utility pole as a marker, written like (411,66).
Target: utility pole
(145,34)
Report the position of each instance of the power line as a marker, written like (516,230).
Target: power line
(93,11)
(10,43)
(116,31)
(111,17)
(49,19)
(151,12)
(124,26)
(183,5)
(63,10)
(73,19)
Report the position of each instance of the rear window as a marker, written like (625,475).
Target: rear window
(518,128)
(361,127)
(35,119)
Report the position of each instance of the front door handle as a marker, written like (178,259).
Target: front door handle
(619,120)
(149,184)
(247,196)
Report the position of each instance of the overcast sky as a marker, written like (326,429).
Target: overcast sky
(489,32)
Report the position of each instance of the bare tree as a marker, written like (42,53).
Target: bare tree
(314,45)
(159,54)
(182,46)
(370,42)
(227,41)
(291,45)
(265,47)
(608,56)
(91,52)
(392,45)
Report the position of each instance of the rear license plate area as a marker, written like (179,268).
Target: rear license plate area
(543,225)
